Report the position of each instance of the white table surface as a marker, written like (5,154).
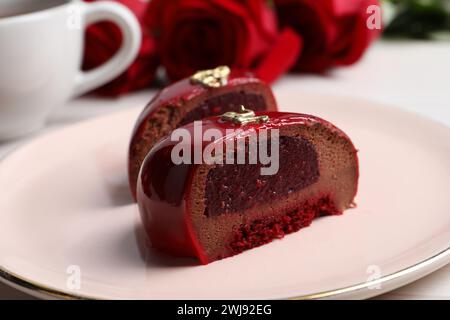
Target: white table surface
(410,75)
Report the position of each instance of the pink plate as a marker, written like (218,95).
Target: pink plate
(68,227)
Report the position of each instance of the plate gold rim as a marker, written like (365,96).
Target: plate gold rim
(23,283)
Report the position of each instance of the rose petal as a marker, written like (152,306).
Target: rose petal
(281,57)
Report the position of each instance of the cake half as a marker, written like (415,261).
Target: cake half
(205,94)
(213,210)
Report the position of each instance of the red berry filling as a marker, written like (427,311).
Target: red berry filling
(236,187)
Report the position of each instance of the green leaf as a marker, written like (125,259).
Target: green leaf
(418,18)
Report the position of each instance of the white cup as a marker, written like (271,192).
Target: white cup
(41,47)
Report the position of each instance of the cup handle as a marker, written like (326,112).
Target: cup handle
(131,34)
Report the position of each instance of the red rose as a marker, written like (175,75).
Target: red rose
(199,34)
(334,32)
(104,39)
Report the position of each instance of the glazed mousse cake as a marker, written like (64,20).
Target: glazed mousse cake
(207,93)
(213,211)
